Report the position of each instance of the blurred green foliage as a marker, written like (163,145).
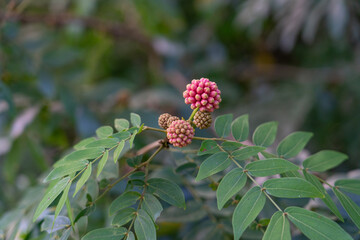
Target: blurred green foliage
(67,67)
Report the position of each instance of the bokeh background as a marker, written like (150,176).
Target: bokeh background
(70,66)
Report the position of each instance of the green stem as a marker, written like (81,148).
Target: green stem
(193,114)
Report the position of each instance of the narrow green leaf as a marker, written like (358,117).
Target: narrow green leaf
(349,185)
(231,184)
(69,211)
(144,226)
(118,150)
(83,143)
(240,128)
(315,226)
(84,177)
(85,212)
(208,147)
(291,145)
(135,119)
(131,141)
(265,134)
(106,234)
(121,124)
(327,200)
(50,196)
(104,131)
(223,124)
(102,163)
(84,154)
(168,191)
(104,143)
(324,160)
(270,166)
(350,206)
(213,164)
(247,210)
(291,188)
(247,152)
(123,217)
(66,169)
(125,200)
(152,206)
(279,228)
(62,200)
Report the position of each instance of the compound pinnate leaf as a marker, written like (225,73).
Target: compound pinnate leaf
(123,216)
(324,160)
(247,210)
(327,199)
(291,188)
(315,226)
(232,183)
(102,163)
(168,191)
(350,206)
(279,228)
(135,119)
(152,206)
(291,145)
(106,234)
(223,124)
(265,134)
(270,166)
(66,169)
(349,185)
(121,124)
(125,200)
(247,152)
(104,131)
(84,177)
(144,226)
(213,164)
(240,128)
(50,196)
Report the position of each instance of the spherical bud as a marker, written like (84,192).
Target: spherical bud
(180,133)
(202,120)
(163,119)
(171,119)
(203,94)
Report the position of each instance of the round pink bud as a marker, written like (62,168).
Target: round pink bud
(197,97)
(184,137)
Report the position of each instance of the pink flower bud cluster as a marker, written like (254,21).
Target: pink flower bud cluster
(202,94)
(180,133)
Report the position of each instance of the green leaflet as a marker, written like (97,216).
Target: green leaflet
(106,234)
(291,188)
(270,166)
(350,206)
(83,143)
(349,185)
(104,131)
(240,128)
(152,206)
(208,147)
(324,160)
(247,152)
(279,228)
(316,226)
(84,177)
(130,236)
(50,196)
(247,210)
(135,119)
(223,124)
(327,200)
(62,200)
(213,164)
(121,124)
(66,169)
(132,138)
(265,134)
(144,226)
(126,199)
(231,184)
(83,154)
(104,143)
(118,150)
(168,191)
(123,217)
(102,163)
(291,145)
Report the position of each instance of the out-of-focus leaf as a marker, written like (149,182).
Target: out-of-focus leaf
(121,124)
(106,234)
(81,145)
(104,131)
(118,150)
(62,200)
(102,163)
(51,224)
(194,212)
(66,169)
(104,143)
(135,119)
(350,206)
(84,177)
(84,154)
